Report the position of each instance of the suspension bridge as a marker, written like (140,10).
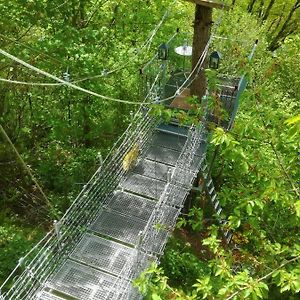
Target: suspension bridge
(120,222)
(122,218)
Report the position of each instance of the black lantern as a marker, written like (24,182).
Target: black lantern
(163,52)
(214,60)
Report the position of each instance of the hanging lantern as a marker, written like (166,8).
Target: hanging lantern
(214,60)
(163,52)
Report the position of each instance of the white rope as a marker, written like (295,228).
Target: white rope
(144,45)
(29,83)
(78,80)
(29,66)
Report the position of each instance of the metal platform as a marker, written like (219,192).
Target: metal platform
(133,227)
(81,282)
(132,205)
(47,296)
(152,169)
(119,227)
(102,254)
(144,186)
(163,155)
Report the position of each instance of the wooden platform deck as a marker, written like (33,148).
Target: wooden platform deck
(181,102)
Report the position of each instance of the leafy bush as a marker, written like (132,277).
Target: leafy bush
(181,265)
(14,243)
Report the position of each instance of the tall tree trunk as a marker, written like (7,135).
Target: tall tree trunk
(267,12)
(251,5)
(283,32)
(261,8)
(202,24)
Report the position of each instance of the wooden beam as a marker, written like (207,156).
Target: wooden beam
(211,4)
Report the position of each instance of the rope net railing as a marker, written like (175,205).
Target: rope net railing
(41,263)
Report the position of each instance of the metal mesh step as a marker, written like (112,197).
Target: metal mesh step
(145,186)
(102,253)
(171,141)
(163,155)
(117,226)
(132,205)
(47,296)
(152,169)
(82,282)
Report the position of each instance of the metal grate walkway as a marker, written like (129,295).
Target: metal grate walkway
(121,221)
(112,243)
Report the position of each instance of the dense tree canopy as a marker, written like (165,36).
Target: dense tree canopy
(59,131)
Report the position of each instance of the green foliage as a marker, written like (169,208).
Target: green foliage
(15,241)
(59,132)
(257,170)
(194,219)
(181,265)
(288,281)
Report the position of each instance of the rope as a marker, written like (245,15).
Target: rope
(29,83)
(69,84)
(72,85)
(82,79)
(27,169)
(144,45)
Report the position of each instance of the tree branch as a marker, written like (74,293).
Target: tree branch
(265,276)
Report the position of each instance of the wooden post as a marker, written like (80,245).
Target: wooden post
(202,25)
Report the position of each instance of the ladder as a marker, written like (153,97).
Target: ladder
(212,196)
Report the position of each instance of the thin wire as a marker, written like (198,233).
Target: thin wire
(166,14)
(29,66)
(144,45)
(82,79)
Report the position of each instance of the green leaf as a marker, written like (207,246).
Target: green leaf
(293,120)
(156,297)
(297,208)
